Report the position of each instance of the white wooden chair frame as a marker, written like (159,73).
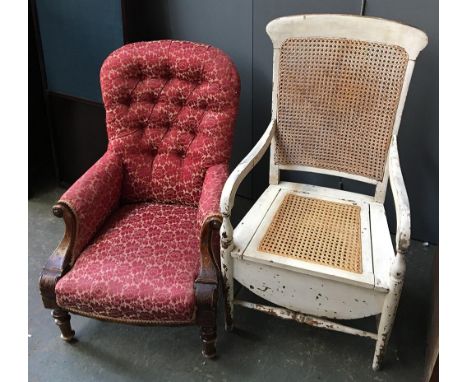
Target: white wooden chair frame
(375,292)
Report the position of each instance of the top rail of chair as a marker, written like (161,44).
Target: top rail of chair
(364,28)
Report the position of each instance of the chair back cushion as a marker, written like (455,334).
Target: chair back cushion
(170,114)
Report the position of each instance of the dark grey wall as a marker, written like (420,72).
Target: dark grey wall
(418,138)
(77,35)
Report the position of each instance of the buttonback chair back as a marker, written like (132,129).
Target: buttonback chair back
(170,112)
(339,87)
(139,223)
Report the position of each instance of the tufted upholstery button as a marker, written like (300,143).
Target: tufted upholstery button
(202,104)
(153,98)
(181,101)
(180,152)
(126,100)
(191,129)
(166,74)
(139,75)
(166,124)
(198,78)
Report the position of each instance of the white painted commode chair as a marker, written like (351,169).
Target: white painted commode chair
(339,86)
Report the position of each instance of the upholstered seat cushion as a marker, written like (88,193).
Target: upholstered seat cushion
(140,267)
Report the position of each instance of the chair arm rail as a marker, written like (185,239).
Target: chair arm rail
(206,284)
(213,184)
(59,262)
(210,269)
(400,197)
(93,197)
(243,168)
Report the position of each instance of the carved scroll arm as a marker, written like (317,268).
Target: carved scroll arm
(60,261)
(206,284)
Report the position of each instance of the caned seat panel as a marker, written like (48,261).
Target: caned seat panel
(317,231)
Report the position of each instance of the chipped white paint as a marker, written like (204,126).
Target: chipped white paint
(400,198)
(305,319)
(226,233)
(295,167)
(303,293)
(398,266)
(243,168)
(389,309)
(306,290)
(251,221)
(370,29)
(274,169)
(381,188)
(382,247)
(326,192)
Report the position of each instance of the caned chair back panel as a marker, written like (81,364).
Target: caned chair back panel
(339,88)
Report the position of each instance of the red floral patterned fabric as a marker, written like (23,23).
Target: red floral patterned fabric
(215,178)
(170,114)
(94,196)
(141,266)
(171,108)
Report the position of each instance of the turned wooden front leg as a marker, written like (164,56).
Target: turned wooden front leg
(207,297)
(62,319)
(208,337)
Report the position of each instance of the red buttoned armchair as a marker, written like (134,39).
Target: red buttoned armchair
(141,224)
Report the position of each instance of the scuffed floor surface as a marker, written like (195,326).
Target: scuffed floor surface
(261,348)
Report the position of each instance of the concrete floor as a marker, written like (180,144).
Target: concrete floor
(261,348)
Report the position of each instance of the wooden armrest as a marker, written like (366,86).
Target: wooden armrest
(206,284)
(93,197)
(244,167)
(400,197)
(59,262)
(210,269)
